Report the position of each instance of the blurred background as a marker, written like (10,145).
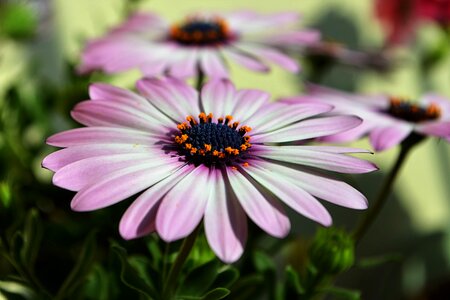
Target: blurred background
(40,46)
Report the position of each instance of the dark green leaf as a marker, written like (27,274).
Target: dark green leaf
(226,277)
(370,262)
(199,280)
(341,293)
(97,286)
(130,276)
(263,262)
(32,236)
(216,294)
(80,270)
(293,280)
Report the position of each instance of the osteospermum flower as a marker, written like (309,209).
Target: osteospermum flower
(387,120)
(147,42)
(218,158)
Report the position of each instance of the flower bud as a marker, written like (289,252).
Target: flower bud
(332,251)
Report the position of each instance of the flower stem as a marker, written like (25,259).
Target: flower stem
(186,247)
(200,79)
(383,194)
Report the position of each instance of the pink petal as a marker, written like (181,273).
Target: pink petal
(172,96)
(61,158)
(442,102)
(383,138)
(247,102)
(276,116)
(215,94)
(301,38)
(265,211)
(185,65)
(245,60)
(225,222)
(310,128)
(332,190)
(184,205)
(249,21)
(291,194)
(105,91)
(139,219)
(116,114)
(99,135)
(120,185)
(212,64)
(322,160)
(351,135)
(82,173)
(271,55)
(439,128)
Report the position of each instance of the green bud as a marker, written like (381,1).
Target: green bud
(332,251)
(17,20)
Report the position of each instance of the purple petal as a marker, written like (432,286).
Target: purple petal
(172,96)
(85,172)
(212,64)
(116,114)
(215,95)
(120,185)
(275,116)
(140,218)
(105,91)
(331,190)
(225,222)
(247,102)
(271,55)
(291,194)
(61,158)
(267,213)
(184,205)
(185,65)
(439,128)
(383,138)
(99,135)
(245,60)
(311,128)
(322,160)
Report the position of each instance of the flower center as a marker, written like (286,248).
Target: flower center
(412,112)
(201,32)
(208,142)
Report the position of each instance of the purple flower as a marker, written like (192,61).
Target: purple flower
(188,165)
(386,120)
(147,42)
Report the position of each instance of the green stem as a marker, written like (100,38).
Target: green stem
(200,79)
(383,194)
(175,270)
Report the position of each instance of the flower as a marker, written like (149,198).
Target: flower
(387,120)
(147,42)
(219,166)
(400,17)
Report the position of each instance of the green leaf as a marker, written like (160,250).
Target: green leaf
(97,286)
(130,276)
(263,262)
(341,293)
(199,280)
(80,270)
(371,262)
(246,286)
(216,294)
(32,237)
(5,194)
(226,277)
(293,280)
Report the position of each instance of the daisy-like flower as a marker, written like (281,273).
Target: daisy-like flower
(219,157)
(387,120)
(147,42)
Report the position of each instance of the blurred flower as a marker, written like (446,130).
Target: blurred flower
(147,42)
(400,17)
(207,166)
(387,120)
